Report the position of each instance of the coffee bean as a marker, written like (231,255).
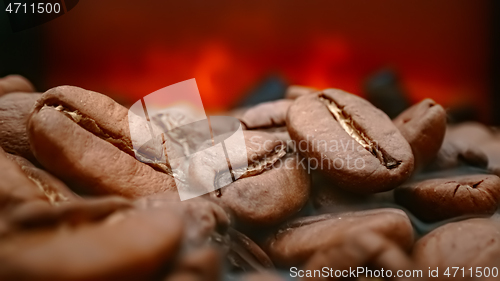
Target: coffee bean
(14,111)
(36,214)
(131,245)
(266,115)
(462,145)
(440,199)
(329,198)
(365,250)
(298,240)
(15,187)
(245,254)
(270,185)
(202,218)
(262,276)
(54,189)
(350,140)
(295,91)
(202,264)
(15,83)
(423,126)
(83,138)
(470,243)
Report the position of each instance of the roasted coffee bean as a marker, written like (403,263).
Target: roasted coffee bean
(361,250)
(295,91)
(298,240)
(36,214)
(350,140)
(440,199)
(15,187)
(269,117)
(202,218)
(15,83)
(83,138)
(200,265)
(271,185)
(462,145)
(491,148)
(329,198)
(266,115)
(128,245)
(470,243)
(14,111)
(54,189)
(245,254)
(423,126)
(261,276)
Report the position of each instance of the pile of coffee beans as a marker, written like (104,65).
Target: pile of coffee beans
(331,188)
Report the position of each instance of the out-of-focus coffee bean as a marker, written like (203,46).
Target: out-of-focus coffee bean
(15,187)
(246,254)
(200,265)
(298,240)
(51,186)
(266,115)
(350,140)
(423,126)
(269,117)
(15,83)
(202,217)
(470,243)
(36,214)
(271,185)
(440,199)
(83,138)
(261,276)
(462,144)
(128,245)
(296,91)
(365,250)
(14,111)
(328,198)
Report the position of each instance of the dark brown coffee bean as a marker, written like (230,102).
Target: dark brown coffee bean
(462,144)
(492,149)
(261,276)
(298,240)
(14,111)
(15,83)
(329,198)
(54,189)
(202,218)
(350,140)
(423,126)
(36,214)
(200,265)
(83,138)
(128,245)
(266,115)
(470,243)
(364,249)
(440,199)
(245,254)
(15,187)
(295,91)
(271,185)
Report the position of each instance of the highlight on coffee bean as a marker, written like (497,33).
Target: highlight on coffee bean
(249,140)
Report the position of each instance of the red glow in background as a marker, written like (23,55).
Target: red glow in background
(128,50)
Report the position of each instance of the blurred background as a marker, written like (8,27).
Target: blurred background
(393,52)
